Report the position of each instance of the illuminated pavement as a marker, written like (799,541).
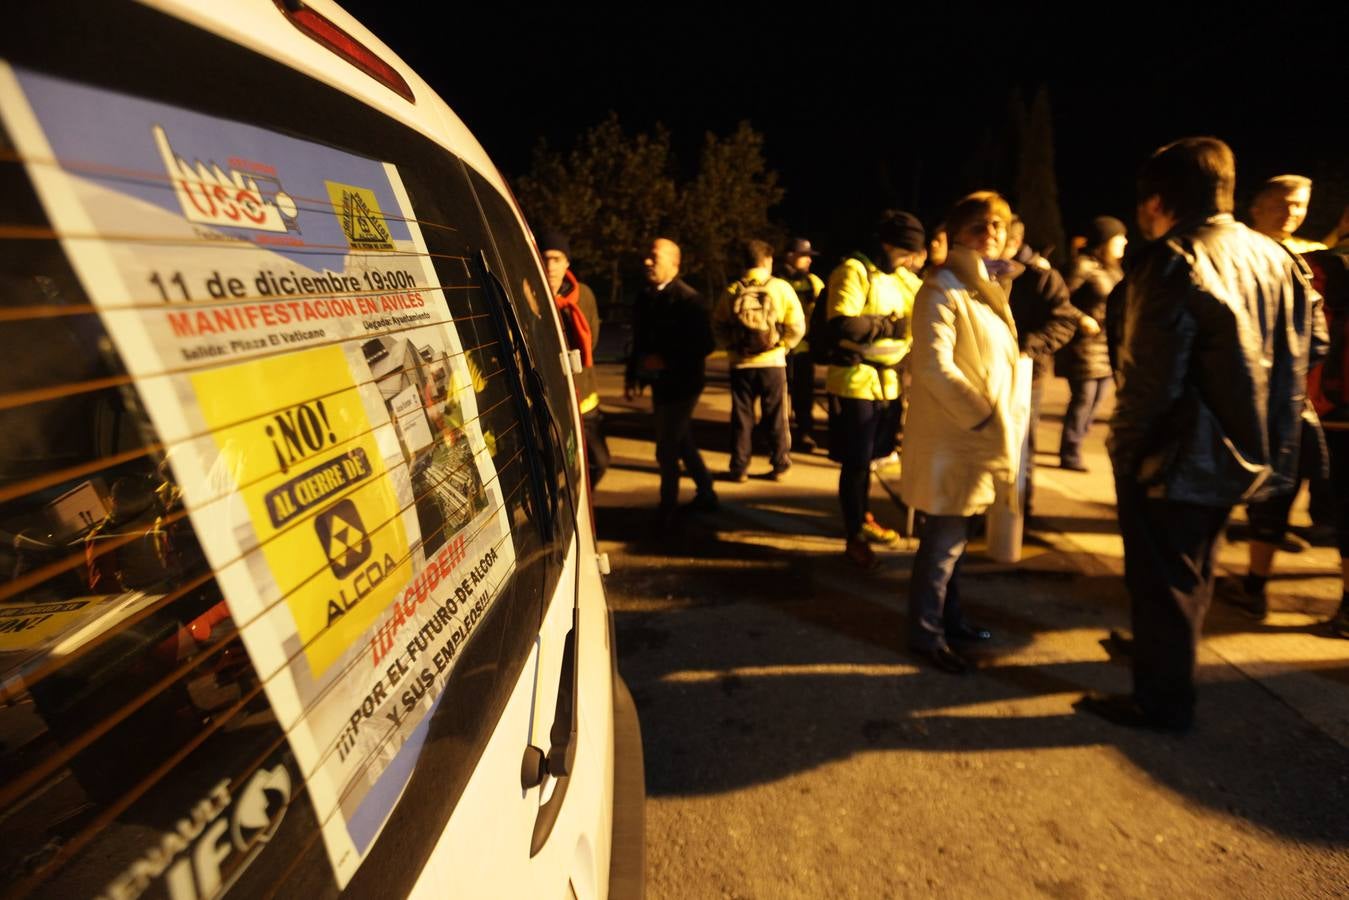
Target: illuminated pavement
(794,750)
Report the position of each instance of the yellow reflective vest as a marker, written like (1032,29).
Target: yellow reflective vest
(858,288)
(806,287)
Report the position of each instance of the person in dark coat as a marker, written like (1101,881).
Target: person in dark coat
(1045,321)
(1219,326)
(671,338)
(580,317)
(1085,361)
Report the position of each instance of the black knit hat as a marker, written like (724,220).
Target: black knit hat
(901,230)
(1102,229)
(555,240)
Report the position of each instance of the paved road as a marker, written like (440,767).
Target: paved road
(794,750)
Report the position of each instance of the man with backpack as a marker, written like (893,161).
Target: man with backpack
(795,270)
(862,328)
(757,320)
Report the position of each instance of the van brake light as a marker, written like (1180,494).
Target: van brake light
(344,45)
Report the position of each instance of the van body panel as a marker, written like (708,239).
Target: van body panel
(482,845)
(257,25)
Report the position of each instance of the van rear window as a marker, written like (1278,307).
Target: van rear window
(270,552)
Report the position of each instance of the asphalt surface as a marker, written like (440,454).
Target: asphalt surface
(794,749)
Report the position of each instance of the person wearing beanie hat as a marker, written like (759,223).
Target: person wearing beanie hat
(1085,362)
(869,299)
(901,230)
(580,316)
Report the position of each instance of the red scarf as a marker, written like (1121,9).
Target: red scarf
(574,321)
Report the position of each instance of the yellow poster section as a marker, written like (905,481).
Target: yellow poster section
(344,557)
(32,624)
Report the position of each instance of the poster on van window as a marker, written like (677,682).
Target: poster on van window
(290,341)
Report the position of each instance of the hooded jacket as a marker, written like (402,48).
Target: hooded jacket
(962,419)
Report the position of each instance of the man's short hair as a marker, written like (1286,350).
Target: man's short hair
(756,251)
(1284,184)
(976,206)
(1192,176)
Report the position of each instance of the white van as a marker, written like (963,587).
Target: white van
(299,591)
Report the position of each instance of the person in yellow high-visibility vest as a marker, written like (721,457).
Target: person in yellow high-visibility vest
(870,300)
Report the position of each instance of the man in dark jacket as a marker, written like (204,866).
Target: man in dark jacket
(1218,327)
(671,337)
(1045,321)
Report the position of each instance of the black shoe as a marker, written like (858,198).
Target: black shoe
(1118,644)
(1232,591)
(1125,711)
(1076,466)
(705,502)
(1293,543)
(968,632)
(944,658)
(779,474)
(804,444)
(735,477)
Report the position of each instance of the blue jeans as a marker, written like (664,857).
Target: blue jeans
(934,600)
(1087,395)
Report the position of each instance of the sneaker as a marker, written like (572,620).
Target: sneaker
(705,502)
(860,553)
(1232,591)
(779,474)
(737,477)
(884,461)
(876,533)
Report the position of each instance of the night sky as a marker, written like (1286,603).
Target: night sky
(866,108)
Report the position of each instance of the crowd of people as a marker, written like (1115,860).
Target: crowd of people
(1230,389)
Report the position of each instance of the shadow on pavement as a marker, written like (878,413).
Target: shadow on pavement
(760,663)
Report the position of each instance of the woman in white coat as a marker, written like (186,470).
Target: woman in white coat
(957,455)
